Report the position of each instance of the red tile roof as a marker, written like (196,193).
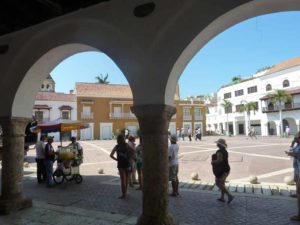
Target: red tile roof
(284,65)
(41,107)
(103,90)
(55,96)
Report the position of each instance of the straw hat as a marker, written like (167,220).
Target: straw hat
(173,138)
(221,142)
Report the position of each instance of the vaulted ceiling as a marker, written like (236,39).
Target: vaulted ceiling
(19,14)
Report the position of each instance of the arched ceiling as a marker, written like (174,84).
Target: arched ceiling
(19,14)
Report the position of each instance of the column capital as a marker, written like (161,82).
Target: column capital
(153,118)
(14,126)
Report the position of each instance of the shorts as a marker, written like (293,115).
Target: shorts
(173,173)
(139,165)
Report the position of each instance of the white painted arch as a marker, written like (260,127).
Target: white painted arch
(25,96)
(241,13)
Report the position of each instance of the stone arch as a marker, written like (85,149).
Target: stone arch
(272,128)
(92,36)
(241,13)
(291,123)
(24,98)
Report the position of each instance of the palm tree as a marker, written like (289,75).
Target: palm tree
(280,96)
(247,107)
(226,105)
(102,80)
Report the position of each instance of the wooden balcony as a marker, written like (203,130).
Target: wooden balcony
(286,107)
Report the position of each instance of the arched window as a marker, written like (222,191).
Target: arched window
(43,86)
(285,83)
(48,86)
(268,87)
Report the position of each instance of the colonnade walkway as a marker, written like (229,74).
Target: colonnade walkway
(95,202)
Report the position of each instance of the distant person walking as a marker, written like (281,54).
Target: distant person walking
(198,134)
(40,160)
(221,169)
(173,165)
(123,159)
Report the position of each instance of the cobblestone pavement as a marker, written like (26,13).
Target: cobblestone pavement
(95,202)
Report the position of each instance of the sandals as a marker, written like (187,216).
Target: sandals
(295,218)
(221,200)
(230,199)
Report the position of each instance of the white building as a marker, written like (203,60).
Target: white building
(265,121)
(51,105)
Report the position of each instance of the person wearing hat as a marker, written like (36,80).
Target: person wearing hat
(173,165)
(221,162)
(49,160)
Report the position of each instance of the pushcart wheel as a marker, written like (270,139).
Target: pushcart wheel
(77,178)
(69,177)
(58,176)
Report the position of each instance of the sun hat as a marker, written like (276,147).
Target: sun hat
(221,142)
(173,138)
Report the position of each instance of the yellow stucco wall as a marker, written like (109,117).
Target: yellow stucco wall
(100,107)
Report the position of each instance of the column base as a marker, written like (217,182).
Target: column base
(148,220)
(11,205)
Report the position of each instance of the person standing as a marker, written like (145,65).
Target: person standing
(178,133)
(139,164)
(295,153)
(49,160)
(173,165)
(77,148)
(190,134)
(221,162)
(123,159)
(287,131)
(182,133)
(132,174)
(40,160)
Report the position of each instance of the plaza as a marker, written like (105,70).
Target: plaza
(151,43)
(95,200)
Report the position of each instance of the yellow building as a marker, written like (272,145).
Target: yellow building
(106,107)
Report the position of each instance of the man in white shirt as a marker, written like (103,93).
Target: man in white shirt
(173,165)
(40,160)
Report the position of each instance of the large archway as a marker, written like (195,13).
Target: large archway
(222,23)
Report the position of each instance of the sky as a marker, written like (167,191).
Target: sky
(238,51)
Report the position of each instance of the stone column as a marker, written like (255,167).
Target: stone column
(234,127)
(278,128)
(12,198)
(154,123)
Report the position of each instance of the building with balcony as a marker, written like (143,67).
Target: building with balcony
(107,108)
(266,119)
(51,105)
